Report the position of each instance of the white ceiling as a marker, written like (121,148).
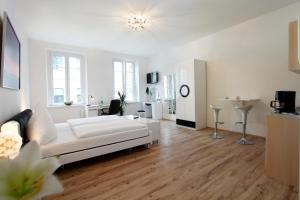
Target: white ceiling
(102,23)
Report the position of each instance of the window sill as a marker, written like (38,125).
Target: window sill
(133,102)
(65,106)
(83,105)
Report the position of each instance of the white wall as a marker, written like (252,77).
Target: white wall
(12,102)
(248,60)
(99,76)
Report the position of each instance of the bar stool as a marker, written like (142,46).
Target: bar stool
(244,110)
(216,111)
(141,113)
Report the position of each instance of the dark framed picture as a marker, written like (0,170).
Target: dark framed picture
(10,56)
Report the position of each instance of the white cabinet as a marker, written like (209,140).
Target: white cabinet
(91,110)
(191,110)
(294,44)
(156,109)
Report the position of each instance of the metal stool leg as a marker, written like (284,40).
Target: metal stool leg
(243,140)
(215,134)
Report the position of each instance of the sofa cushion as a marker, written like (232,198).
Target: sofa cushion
(41,127)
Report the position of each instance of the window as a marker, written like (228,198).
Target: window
(65,78)
(126,79)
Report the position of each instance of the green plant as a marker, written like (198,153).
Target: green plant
(148,92)
(123,102)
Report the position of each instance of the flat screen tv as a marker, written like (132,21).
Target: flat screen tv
(152,78)
(10,56)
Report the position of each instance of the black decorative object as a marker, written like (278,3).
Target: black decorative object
(184,90)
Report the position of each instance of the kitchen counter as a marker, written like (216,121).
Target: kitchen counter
(282,147)
(286,115)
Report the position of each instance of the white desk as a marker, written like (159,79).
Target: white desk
(93,110)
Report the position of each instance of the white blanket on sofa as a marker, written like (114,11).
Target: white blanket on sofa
(90,127)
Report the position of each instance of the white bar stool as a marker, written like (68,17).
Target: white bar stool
(245,111)
(216,111)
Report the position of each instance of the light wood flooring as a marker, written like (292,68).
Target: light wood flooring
(186,165)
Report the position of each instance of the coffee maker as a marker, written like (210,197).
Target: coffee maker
(284,102)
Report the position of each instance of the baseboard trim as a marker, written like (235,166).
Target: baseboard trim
(186,123)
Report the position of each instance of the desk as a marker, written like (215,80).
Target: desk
(93,110)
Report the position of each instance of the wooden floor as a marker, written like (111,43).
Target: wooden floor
(185,165)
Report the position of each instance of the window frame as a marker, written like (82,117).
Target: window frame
(135,77)
(50,88)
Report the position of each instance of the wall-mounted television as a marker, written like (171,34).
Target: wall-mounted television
(10,56)
(152,77)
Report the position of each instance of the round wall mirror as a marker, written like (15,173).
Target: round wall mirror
(184,90)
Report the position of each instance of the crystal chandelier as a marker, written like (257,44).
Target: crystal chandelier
(137,22)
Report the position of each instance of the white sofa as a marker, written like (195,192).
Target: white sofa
(68,148)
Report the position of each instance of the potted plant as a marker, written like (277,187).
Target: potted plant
(123,102)
(148,94)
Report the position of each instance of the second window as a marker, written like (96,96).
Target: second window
(125,79)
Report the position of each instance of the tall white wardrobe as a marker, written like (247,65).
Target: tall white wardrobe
(191,87)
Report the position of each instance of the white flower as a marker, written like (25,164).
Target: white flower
(10,144)
(28,176)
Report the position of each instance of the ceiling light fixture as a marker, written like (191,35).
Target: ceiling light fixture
(137,22)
